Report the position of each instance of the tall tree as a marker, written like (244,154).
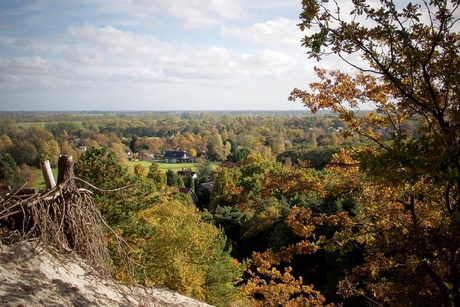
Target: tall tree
(185,253)
(61,129)
(411,200)
(157,176)
(24,152)
(217,150)
(67,149)
(205,171)
(412,53)
(7,124)
(28,175)
(8,171)
(100,167)
(132,143)
(139,170)
(240,154)
(5,143)
(173,179)
(49,150)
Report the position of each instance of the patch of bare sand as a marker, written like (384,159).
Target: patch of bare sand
(31,276)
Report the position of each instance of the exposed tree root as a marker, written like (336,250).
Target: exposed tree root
(64,218)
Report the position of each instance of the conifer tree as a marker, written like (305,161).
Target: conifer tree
(9,174)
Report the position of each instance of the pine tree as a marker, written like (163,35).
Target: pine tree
(9,174)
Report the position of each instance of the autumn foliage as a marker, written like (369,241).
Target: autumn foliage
(404,184)
(406,226)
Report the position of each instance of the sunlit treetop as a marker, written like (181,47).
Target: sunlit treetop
(407,60)
(413,47)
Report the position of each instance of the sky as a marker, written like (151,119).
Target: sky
(159,55)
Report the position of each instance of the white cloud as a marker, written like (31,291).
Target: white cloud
(31,73)
(199,13)
(134,52)
(28,66)
(281,31)
(120,43)
(109,56)
(71,54)
(22,43)
(218,64)
(268,58)
(139,75)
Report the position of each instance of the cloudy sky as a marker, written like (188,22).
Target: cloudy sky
(151,55)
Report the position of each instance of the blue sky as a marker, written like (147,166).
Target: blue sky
(151,55)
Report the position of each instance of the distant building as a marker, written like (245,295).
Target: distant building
(183,173)
(174,156)
(145,155)
(206,186)
(128,152)
(190,192)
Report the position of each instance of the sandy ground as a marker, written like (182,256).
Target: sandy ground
(30,276)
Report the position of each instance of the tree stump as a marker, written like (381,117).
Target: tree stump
(66,176)
(47,175)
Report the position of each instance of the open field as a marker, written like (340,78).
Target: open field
(165,166)
(41,183)
(41,124)
(27,125)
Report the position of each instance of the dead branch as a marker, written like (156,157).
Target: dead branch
(101,190)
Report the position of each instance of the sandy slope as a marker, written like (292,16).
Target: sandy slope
(32,277)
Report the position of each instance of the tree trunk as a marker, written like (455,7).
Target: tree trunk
(47,175)
(65,172)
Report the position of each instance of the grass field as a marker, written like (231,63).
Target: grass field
(27,125)
(41,124)
(41,183)
(165,166)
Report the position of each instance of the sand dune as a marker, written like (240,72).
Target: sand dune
(31,276)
